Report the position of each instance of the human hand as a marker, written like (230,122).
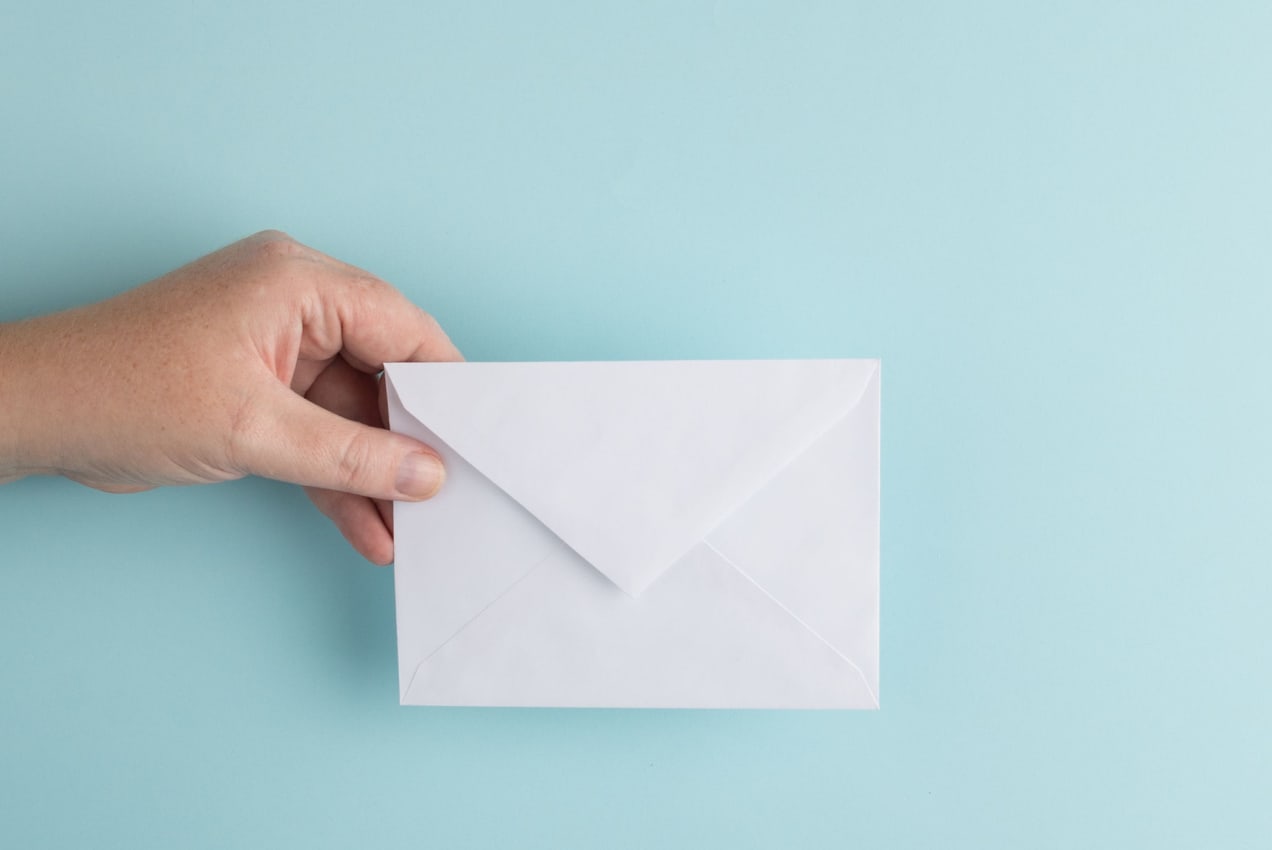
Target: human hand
(261,358)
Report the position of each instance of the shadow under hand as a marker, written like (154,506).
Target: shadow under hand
(339,608)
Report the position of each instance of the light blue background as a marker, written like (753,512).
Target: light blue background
(1052,222)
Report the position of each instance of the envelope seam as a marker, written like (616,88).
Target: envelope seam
(808,446)
(470,621)
(864,681)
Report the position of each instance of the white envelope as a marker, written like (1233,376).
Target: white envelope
(696,534)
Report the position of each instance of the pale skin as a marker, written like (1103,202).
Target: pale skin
(261,358)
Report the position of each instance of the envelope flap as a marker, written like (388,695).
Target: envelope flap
(630,463)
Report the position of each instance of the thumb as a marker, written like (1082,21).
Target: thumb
(295,440)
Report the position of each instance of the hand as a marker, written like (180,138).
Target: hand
(261,358)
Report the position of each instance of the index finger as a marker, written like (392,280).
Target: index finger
(371,323)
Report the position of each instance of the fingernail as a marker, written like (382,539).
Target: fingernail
(420,475)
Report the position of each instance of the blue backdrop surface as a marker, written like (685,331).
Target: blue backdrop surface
(1051,221)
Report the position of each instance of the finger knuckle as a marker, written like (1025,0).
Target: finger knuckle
(369,286)
(354,460)
(367,295)
(271,234)
(276,244)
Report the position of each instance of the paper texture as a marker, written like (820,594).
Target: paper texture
(697,534)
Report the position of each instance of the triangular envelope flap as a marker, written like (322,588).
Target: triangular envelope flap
(630,463)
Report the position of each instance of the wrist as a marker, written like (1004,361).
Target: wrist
(20,429)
